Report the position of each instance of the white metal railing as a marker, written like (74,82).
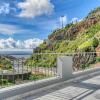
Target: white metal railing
(19,70)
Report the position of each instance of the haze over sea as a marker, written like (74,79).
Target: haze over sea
(16,52)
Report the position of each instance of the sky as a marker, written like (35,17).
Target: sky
(26,23)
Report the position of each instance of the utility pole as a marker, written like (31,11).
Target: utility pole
(62,21)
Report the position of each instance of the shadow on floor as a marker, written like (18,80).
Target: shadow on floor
(89,88)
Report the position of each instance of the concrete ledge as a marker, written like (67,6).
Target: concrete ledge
(23,90)
(86,72)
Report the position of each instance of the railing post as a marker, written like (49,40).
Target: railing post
(64,67)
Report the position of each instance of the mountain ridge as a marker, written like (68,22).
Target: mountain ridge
(86,29)
(83,36)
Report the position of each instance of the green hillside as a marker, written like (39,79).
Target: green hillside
(83,36)
(5,63)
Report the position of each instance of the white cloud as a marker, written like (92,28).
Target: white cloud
(7,43)
(63,19)
(31,43)
(75,20)
(33,8)
(11,29)
(4,8)
(26,44)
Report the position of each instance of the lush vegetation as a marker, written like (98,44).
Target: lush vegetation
(5,63)
(5,82)
(97,59)
(82,36)
(37,76)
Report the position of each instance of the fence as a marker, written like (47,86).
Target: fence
(85,60)
(18,69)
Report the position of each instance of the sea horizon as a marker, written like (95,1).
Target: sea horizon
(16,52)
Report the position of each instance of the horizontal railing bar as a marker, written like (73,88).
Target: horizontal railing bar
(66,53)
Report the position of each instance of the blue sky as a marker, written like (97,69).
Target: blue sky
(32,21)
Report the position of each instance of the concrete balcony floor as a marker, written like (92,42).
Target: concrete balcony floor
(87,88)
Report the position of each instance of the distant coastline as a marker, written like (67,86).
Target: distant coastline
(16,51)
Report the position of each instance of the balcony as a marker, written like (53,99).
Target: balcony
(31,77)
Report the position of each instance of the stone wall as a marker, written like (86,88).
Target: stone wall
(83,60)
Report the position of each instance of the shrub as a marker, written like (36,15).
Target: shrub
(88,44)
(4,81)
(36,76)
(97,59)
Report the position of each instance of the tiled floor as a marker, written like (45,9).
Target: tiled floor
(85,89)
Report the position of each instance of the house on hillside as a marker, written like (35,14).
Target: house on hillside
(98,51)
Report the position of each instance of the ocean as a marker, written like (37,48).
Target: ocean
(17,52)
